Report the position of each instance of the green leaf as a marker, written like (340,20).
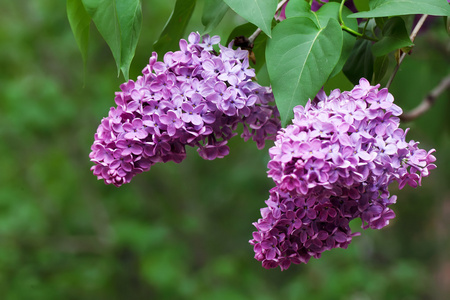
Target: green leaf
(213,12)
(360,62)
(361,5)
(331,10)
(321,18)
(380,22)
(104,15)
(259,47)
(395,36)
(380,67)
(129,14)
(80,22)
(300,57)
(258,12)
(174,29)
(119,23)
(340,81)
(327,12)
(387,8)
(263,76)
(299,9)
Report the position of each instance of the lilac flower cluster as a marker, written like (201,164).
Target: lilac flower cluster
(195,97)
(332,165)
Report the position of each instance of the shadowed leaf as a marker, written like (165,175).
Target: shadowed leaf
(80,22)
(213,12)
(174,29)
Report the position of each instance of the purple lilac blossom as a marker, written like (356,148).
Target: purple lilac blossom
(194,97)
(332,165)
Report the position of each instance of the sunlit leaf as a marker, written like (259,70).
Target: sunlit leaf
(299,9)
(258,12)
(80,22)
(213,12)
(174,29)
(386,8)
(300,57)
(129,13)
(321,17)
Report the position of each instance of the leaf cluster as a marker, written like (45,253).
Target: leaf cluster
(300,54)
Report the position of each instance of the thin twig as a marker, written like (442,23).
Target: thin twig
(402,56)
(255,34)
(252,38)
(428,101)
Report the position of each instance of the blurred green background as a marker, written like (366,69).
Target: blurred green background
(181,231)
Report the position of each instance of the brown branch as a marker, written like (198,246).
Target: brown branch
(428,101)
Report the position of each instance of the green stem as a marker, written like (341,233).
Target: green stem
(340,14)
(348,29)
(358,34)
(365,26)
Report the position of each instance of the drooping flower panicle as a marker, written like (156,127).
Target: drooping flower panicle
(332,165)
(194,97)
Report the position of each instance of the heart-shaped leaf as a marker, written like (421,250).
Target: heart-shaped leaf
(300,57)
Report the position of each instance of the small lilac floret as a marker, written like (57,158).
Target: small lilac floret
(194,97)
(333,164)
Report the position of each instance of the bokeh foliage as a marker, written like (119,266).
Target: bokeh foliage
(181,231)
